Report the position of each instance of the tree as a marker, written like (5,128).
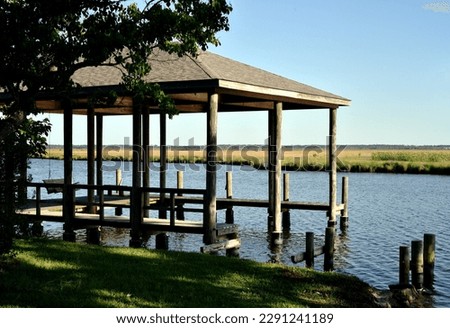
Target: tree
(44,42)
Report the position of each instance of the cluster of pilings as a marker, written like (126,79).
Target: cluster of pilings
(311,252)
(420,263)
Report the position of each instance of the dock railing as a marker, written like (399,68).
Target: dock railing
(108,196)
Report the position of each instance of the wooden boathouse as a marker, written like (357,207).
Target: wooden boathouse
(209,84)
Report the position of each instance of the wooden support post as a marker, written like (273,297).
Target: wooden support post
(417,263)
(37,229)
(99,152)
(172,209)
(344,213)
(404,265)
(332,167)
(118,210)
(328,264)
(270,168)
(229,214)
(233,251)
(429,246)
(100,192)
(23,171)
(136,211)
(286,187)
(162,241)
(286,212)
(210,220)
(162,162)
(180,181)
(69,193)
(146,157)
(274,221)
(309,254)
(119,180)
(91,158)
(93,235)
(180,185)
(38,201)
(277,236)
(229,184)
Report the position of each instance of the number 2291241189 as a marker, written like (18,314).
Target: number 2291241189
(302,318)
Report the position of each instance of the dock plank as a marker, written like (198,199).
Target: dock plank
(51,210)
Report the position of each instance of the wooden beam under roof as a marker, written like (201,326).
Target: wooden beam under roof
(241,89)
(190,97)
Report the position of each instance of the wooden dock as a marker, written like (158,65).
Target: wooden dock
(158,210)
(52,210)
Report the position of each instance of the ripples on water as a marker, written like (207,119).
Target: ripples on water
(386,211)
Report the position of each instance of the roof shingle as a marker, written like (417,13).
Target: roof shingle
(206,66)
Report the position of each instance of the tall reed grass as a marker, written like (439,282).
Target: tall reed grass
(423,161)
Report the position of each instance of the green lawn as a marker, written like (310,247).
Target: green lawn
(58,274)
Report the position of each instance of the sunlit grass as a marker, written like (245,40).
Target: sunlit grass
(58,274)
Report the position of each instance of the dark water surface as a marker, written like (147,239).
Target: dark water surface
(386,211)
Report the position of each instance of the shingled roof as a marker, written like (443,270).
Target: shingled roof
(206,71)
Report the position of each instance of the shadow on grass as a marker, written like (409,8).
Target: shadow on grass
(58,274)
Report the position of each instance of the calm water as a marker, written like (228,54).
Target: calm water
(386,211)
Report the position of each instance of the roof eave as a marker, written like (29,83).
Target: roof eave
(292,97)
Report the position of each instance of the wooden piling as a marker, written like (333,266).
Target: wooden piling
(332,167)
(37,229)
(162,241)
(180,185)
(119,210)
(210,219)
(91,158)
(229,214)
(328,264)
(428,260)
(136,210)
(180,181)
(69,192)
(99,152)
(162,162)
(286,220)
(229,184)
(286,187)
(309,254)
(93,235)
(417,263)
(270,168)
(344,213)
(99,172)
(404,262)
(277,233)
(146,157)
(119,180)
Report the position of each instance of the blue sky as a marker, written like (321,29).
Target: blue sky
(390,57)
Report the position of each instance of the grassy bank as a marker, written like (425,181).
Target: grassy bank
(58,274)
(416,161)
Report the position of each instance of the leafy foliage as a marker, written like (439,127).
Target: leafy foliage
(45,42)
(20,138)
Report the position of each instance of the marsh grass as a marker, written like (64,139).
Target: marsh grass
(49,273)
(423,161)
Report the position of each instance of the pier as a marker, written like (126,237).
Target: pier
(91,214)
(207,84)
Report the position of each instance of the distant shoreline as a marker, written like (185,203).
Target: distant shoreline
(370,158)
